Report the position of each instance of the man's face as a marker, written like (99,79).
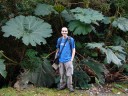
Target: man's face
(64,31)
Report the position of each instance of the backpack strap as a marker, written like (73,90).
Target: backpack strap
(69,40)
(63,47)
(60,41)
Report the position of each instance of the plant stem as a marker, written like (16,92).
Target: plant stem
(49,54)
(1,52)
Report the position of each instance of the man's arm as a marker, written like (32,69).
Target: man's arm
(57,50)
(73,54)
(57,47)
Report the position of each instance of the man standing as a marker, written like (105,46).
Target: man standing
(66,52)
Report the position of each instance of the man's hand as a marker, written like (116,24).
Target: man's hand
(71,59)
(73,53)
(57,50)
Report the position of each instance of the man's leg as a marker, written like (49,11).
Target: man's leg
(62,76)
(69,73)
(69,82)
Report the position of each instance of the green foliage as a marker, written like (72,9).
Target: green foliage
(31,61)
(87,15)
(28,4)
(119,3)
(121,23)
(84,15)
(79,28)
(121,87)
(94,45)
(67,15)
(43,74)
(59,8)
(84,70)
(97,68)
(113,54)
(81,79)
(121,7)
(125,67)
(106,20)
(32,30)
(44,9)
(111,57)
(80,20)
(2,68)
(118,41)
(79,45)
(63,1)
(3,71)
(105,7)
(101,5)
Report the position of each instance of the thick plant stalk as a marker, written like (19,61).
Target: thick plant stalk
(1,52)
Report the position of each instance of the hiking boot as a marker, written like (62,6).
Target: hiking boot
(63,86)
(60,88)
(71,89)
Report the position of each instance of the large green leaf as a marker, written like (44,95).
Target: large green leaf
(119,52)
(118,48)
(125,66)
(82,79)
(44,9)
(31,61)
(114,54)
(106,20)
(118,41)
(97,68)
(111,57)
(79,28)
(40,71)
(97,45)
(121,23)
(32,30)
(80,19)
(87,15)
(121,56)
(43,75)
(67,15)
(94,45)
(2,68)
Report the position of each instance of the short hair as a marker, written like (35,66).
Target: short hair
(64,27)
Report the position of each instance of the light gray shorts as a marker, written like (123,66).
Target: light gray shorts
(66,68)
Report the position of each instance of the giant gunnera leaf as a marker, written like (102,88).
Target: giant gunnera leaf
(80,20)
(67,15)
(121,23)
(114,54)
(44,9)
(30,29)
(79,28)
(87,15)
